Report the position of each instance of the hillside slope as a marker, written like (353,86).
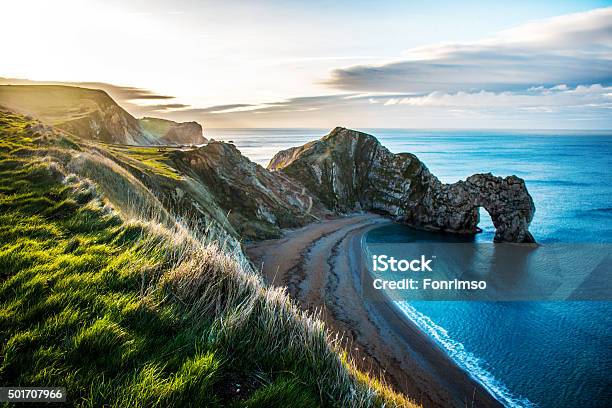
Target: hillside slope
(107,293)
(211,184)
(258,203)
(92,114)
(202,192)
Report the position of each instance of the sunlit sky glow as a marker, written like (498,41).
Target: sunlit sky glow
(477,64)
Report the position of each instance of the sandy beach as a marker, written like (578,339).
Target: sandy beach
(321,266)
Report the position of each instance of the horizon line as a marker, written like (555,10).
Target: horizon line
(411,128)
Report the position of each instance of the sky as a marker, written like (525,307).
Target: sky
(361,64)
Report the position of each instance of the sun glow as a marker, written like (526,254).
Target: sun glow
(264,64)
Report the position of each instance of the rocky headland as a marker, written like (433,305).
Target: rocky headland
(351,171)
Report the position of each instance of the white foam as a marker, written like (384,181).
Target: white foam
(473,365)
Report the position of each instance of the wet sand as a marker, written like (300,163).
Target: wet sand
(322,266)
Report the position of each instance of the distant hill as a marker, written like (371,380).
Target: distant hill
(92,114)
(170,132)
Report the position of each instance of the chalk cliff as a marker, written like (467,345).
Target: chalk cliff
(351,171)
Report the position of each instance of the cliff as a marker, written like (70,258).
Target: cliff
(258,203)
(213,183)
(92,114)
(210,185)
(168,132)
(351,171)
(87,113)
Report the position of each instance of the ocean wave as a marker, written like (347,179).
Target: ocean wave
(473,365)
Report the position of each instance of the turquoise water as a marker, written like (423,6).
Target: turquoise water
(547,354)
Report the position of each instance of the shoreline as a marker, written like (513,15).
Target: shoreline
(321,265)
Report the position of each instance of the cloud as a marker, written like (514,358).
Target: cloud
(554,107)
(123,93)
(542,98)
(562,96)
(167,107)
(119,93)
(555,73)
(298,104)
(234,107)
(573,49)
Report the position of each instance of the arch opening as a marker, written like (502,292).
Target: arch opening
(486,228)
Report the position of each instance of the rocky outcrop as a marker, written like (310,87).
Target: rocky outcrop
(258,203)
(168,132)
(351,171)
(454,207)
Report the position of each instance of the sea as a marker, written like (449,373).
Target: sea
(527,354)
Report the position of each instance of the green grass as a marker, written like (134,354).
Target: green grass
(72,309)
(148,159)
(138,313)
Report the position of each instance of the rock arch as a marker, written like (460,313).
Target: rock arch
(454,207)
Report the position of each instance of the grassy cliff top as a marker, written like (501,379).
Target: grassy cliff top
(157,125)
